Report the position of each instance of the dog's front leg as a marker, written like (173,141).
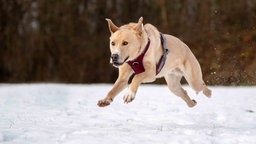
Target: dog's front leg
(148,75)
(121,82)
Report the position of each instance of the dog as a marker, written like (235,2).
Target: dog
(144,51)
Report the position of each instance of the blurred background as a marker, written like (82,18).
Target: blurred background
(68,40)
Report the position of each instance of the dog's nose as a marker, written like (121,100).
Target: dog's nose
(114,57)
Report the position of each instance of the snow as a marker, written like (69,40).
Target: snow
(68,114)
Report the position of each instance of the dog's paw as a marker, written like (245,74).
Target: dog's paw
(207,92)
(129,96)
(192,104)
(103,103)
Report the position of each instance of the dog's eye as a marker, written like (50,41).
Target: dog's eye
(113,43)
(125,43)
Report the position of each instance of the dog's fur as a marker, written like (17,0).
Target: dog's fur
(128,41)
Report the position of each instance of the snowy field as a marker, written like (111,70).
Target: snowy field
(68,114)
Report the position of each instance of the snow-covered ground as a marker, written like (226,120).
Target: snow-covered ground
(68,114)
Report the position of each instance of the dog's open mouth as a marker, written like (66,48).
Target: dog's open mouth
(117,64)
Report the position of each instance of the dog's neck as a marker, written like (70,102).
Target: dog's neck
(145,38)
(137,63)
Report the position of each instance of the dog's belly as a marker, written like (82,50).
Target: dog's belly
(175,71)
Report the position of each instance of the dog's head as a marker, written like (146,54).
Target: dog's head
(125,41)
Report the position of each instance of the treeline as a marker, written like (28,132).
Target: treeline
(67,40)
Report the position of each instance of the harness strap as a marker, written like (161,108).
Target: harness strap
(162,60)
(137,63)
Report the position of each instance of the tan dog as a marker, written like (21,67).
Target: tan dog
(129,41)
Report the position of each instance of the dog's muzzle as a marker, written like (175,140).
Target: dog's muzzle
(115,60)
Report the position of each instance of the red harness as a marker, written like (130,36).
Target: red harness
(137,63)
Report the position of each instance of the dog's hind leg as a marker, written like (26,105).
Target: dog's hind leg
(173,82)
(193,75)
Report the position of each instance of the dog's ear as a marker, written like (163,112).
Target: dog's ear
(112,27)
(139,25)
